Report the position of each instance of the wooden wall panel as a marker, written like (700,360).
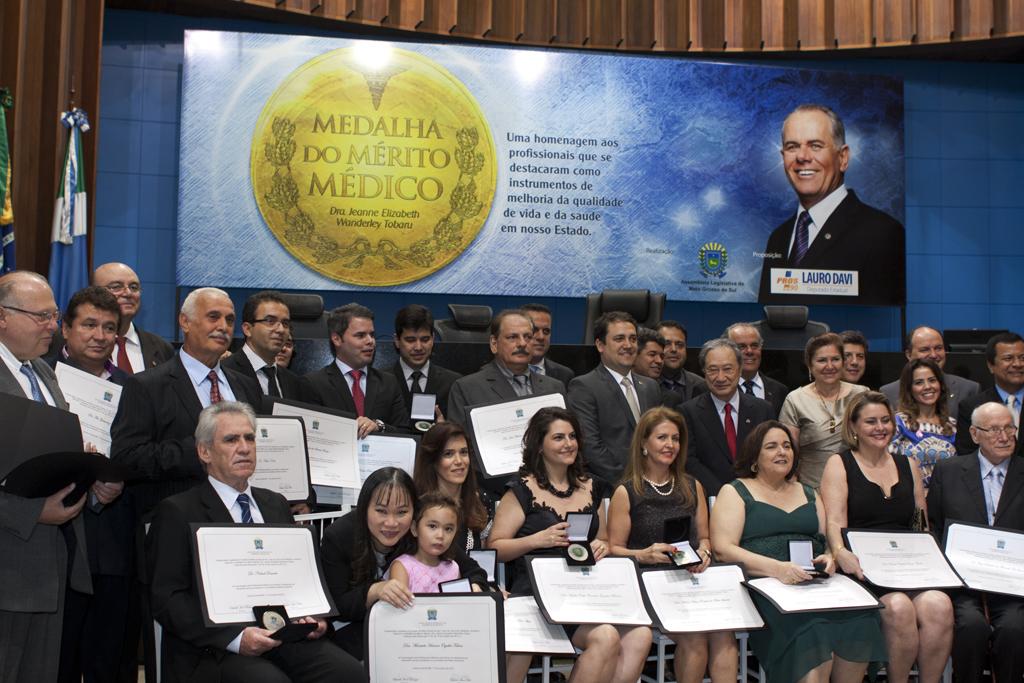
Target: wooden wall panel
(506,21)
(573,22)
(638,19)
(439,16)
(605,27)
(707,25)
(814,25)
(675,25)
(49,47)
(780,28)
(539,20)
(894,22)
(974,19)
(1009,17)
(472,18)
(405,14)
(743,24)
(852,21)
(935,20)
(369,11)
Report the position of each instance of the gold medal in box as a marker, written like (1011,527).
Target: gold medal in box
(373,166)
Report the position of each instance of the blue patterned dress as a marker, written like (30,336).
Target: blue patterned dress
(926,446)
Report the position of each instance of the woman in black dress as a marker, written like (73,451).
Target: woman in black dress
(658,503)
(531,520)
(867,487)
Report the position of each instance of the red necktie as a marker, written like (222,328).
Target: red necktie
(730,431)
(214,388)
(357,392)
(122,355)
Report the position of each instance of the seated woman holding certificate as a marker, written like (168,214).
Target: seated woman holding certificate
(867,487)
(753,520)
(531,519)
(925,432)
(658,504)
(358,548)
(444,464)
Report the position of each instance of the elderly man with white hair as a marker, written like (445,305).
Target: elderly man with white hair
(153,431)
(986,488)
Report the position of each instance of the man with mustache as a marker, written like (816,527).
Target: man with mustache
(153,430)
(610,399)
(506,377)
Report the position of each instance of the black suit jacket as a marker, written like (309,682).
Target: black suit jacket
(187,640)
(964,443)
(488,386)
(855,237)
(154,430)
(155,349)
(558,371)
(693,385)
(292,386)
(707,454)
(775,392)
(956,494)
(439,383)
(606,419)
(383,399)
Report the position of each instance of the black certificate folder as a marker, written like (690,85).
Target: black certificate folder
(31,429)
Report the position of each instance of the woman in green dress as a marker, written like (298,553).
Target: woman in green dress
(752,522)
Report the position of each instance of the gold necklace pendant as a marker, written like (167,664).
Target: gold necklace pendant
(832,425)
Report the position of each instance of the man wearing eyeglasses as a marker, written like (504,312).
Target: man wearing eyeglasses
(36,534)
(1004,354)
(265,324)
(752,382)
(135,349)
(985,488)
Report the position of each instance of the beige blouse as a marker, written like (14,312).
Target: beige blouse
(820,424)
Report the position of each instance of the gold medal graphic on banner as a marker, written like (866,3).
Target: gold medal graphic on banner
(373,166)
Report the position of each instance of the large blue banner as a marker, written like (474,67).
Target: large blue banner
(326,164)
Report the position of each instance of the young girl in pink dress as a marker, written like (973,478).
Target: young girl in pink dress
(434,528)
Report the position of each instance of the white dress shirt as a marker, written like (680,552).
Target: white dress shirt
(199,373)
(820,213)
(14,365)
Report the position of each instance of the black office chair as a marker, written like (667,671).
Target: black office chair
(787,327)
(646,306)
(469,323)
(309,319)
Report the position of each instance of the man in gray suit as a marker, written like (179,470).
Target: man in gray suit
(540,363)
(926,342)
(609,400)
(37,535)
(506,377)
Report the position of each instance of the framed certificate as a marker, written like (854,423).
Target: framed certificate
(714,600)
(330,440)
(835,593)
(902,560)
(988,558)
(526,629)
(606,593)
(282,459)
(497,430)
(241,566)
(440,639)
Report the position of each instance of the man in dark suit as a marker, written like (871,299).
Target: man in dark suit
(927,342)
(350,383)
(1004,355)
(674,376)
(609,400)
(192,651)
(719,421)
(265,324)
(747,339)
(506,377)
(152,431)
(539,362)
(832,229)
(42,542)
(650,360)
(135,349)
(415,372)
(983,487)
(95,642)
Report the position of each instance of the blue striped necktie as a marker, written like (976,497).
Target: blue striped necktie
(802,242)
(243,502)
(33,381)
